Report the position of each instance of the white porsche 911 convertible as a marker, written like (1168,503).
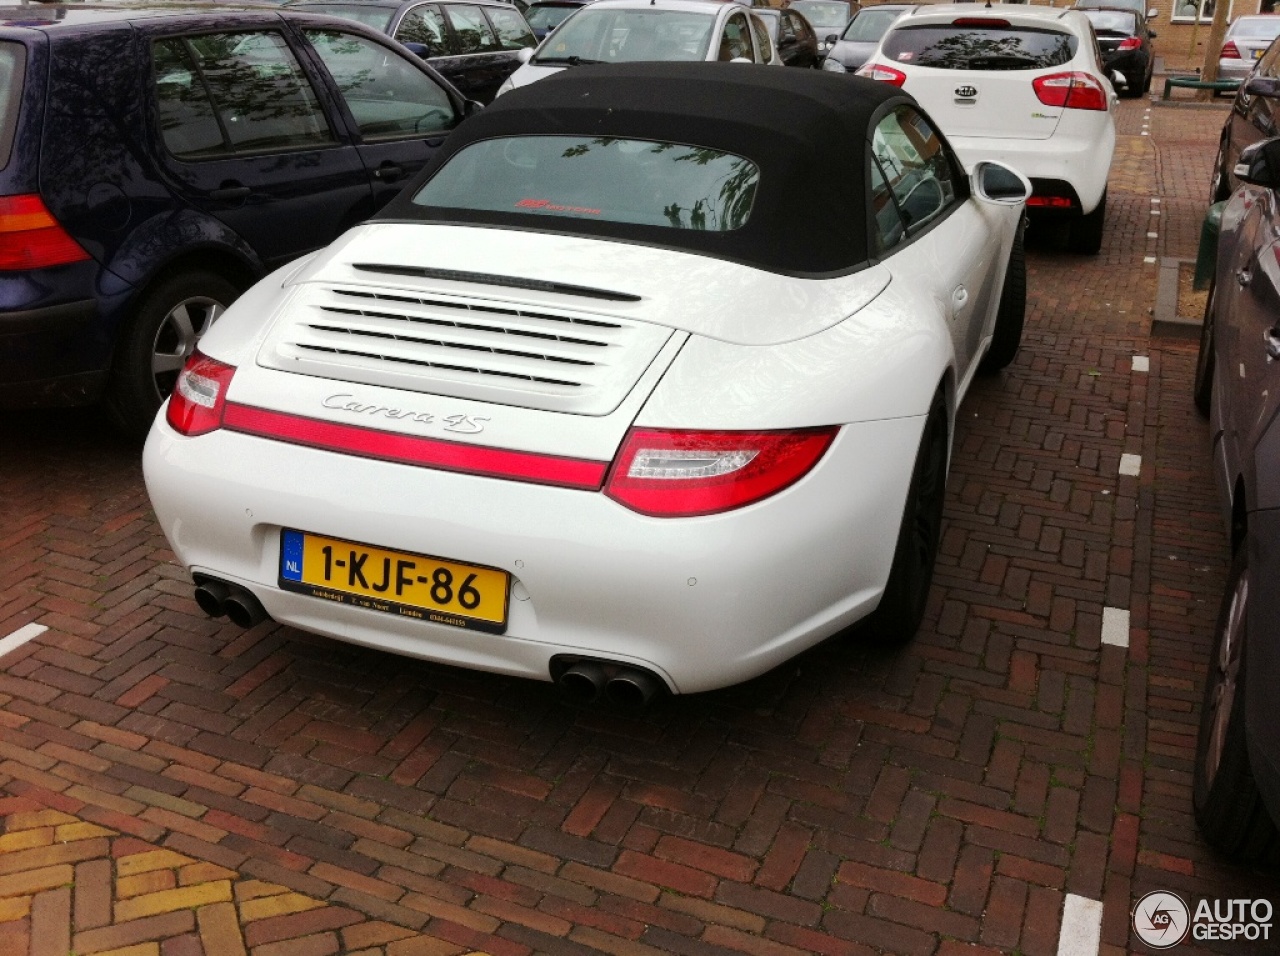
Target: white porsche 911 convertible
(646,385)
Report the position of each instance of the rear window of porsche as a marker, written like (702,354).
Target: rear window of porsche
(599,178)
(12,61)
(969,46)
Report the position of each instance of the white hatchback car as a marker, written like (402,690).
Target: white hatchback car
(597,399)
(635,31)
(1020,84)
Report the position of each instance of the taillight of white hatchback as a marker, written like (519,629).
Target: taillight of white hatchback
(671,474)
(200,396)
(1072,91)
(882,74)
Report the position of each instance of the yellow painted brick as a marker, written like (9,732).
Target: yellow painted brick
(80,831)
(138,949)
(142,883)
(280,905)
(26,839)
(151,860)
(254,889)
(203,873)
(37,818)
(33,881)
(17,907)
(166,901)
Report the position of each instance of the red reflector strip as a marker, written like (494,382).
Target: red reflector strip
(1056,202)
(410,450)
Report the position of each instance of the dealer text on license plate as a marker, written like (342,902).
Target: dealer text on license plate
(410,585)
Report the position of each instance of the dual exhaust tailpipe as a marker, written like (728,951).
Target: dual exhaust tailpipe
(585,681)
(217,598)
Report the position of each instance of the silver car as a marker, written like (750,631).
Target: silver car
(1246,40)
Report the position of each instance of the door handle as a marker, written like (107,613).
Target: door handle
(1273,343)
(1243,277)
(388,172)
(230,190)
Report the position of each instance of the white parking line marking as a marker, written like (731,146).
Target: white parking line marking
(1149,259)
(1153,235)
(1130,464)
(1081,932)
(20,637)
(1115,626)
(1141,363)
(1155,200)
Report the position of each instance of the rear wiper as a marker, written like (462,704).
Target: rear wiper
(567,60)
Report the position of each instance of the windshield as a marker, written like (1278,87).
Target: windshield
(627,36)
(1256,28)
(544,18)
(822,13)
(615,180)
(869,25)
(1113,21)
(377,17)
(948,47)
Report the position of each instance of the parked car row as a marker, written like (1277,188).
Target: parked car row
(1236,783)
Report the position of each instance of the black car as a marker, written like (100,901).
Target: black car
(474,44)
(792,36)
(1236,783)
(1125,41)
(1253,117)
(156,161)
(546,15)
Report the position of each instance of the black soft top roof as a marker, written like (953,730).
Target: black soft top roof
(807,131)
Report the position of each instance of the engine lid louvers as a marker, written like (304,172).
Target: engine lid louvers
(486,278)
(476,348)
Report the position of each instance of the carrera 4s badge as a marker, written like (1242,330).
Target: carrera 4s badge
(465,424)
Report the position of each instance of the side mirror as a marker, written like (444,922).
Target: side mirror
(1263,86)
(1152,14)
(995,182)
(1118,80)
(1260,164)
(833,38)
(524,54)
(418,49)
(471,107)
(1152,34)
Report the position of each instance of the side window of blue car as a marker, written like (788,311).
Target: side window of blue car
(220,94)
(388,96)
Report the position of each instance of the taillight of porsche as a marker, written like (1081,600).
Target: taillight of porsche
(678,473)
(30,238)
(200,396)
(1072,91)
(882,74)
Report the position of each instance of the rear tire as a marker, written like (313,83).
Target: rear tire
(1224,795)
(1011,314)
(1202,392)
(901,608)
(1086,232)
(156,341)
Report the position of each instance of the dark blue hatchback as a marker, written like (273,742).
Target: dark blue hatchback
(154,162)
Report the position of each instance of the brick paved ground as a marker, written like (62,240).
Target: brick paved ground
(171,786)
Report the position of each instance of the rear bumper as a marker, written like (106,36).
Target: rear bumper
(43,355)
(704,602)
(1081,159)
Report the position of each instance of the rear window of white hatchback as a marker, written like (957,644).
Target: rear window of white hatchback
(980,44)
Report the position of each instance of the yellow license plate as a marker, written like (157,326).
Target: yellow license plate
(396,582)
